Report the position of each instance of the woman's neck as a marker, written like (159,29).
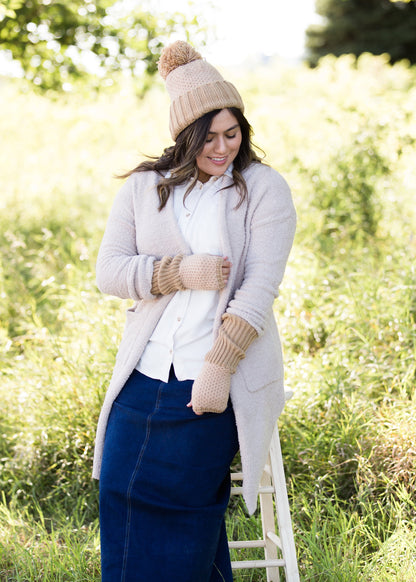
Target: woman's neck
(203,177)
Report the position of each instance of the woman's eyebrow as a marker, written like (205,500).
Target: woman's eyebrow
(227,130)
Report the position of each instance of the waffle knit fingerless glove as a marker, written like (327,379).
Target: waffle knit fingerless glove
(181,272)
(211,389)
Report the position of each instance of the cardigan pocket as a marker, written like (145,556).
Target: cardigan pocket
(138,320)
(263,364)
(141,319)
(135,319)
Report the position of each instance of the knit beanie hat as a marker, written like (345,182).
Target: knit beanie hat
(195,87)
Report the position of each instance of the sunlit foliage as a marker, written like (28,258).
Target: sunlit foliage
(343,136)
(58,43)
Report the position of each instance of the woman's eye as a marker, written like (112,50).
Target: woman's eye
(210,139)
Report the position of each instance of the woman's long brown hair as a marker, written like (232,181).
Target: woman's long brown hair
(180,158)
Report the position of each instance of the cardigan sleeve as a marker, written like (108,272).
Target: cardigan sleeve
(120,270)
(271,234)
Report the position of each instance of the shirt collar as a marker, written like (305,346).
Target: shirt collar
(228,172)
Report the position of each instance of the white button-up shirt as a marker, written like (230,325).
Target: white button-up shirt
(183,334)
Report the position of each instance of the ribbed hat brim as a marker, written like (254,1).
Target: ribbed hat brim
(192,105)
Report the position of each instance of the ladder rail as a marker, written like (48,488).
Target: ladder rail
(278,542)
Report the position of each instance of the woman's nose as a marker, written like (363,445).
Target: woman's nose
(220,145)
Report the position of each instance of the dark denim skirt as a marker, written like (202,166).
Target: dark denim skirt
(165,486)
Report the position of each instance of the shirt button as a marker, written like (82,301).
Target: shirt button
(188,214)
(178,319)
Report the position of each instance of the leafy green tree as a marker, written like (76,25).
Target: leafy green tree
(357,26)
(59,41)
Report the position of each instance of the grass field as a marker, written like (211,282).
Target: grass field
(344,137)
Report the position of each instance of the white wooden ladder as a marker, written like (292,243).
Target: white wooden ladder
(278,542)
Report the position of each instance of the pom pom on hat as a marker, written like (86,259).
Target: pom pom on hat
(195,87)
(177,54)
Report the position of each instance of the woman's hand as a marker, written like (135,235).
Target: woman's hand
(226,269)
(199,272)
(211,388)
(189,405)
(204,272)
(210,391)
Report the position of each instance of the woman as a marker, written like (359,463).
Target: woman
(199,239)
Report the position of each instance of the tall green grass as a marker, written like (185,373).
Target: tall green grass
(343,135)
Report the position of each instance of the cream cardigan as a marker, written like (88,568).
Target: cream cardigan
(257,238)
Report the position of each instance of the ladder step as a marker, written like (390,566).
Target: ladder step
(239,476)
(236,491)
(267,489)
(258,564)
(236,476)
(256,543)
(239,490)
(247,544)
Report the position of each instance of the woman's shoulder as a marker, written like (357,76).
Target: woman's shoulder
(135,186)
(263,177)
(268,192)
(143,177)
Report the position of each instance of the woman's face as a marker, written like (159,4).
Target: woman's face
(221,146)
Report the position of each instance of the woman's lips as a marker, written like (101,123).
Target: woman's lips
(218,161)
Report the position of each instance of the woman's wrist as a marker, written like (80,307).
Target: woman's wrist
(166,278)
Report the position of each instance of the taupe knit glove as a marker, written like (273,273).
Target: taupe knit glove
(181,272)
(211,388)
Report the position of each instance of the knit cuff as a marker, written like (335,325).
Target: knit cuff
(234,337)
(166,278)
